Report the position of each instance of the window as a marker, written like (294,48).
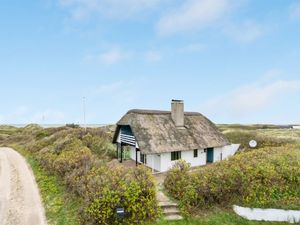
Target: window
(195,153)
(175,155)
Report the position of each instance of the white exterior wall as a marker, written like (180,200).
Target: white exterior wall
(162,162)
(165,161)
(218,156)
(119,138)
(230,150)
(188,156)
(132,153)
(224,152)
(154,162)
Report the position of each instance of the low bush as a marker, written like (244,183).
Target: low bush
(80,160)
(268,177)
(134,190)
(177,179)
(67,161)
(99,146)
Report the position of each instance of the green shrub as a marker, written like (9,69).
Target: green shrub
(133,189)
(67,161)
(177,178)
(99,146)
(267,177)
(80,160)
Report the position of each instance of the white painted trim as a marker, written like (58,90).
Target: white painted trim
(128,139)
(275,215)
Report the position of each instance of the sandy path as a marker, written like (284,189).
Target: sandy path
(20,202)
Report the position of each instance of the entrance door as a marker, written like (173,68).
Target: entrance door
(210,155)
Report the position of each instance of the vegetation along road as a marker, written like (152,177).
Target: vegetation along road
(20,202)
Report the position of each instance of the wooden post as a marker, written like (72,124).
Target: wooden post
(121,160)
(136,157)
(118,151)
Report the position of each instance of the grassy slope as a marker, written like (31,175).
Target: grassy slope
(60,208)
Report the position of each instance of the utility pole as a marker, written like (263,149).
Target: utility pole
(84,121)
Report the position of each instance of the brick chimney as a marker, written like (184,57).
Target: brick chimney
(177,112)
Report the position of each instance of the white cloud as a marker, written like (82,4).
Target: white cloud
(109,93)
(252,98)
(197,15)
(153,56)
(193,47)
(294,12)
(193,15)
(81,9)
(247,31)
(117,55)
(112,56)
(108,88)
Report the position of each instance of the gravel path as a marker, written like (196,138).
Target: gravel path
(20,202)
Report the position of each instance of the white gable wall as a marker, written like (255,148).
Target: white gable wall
(218,156)
(230,150)
(221,153)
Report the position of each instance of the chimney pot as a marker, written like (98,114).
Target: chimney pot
(177,112)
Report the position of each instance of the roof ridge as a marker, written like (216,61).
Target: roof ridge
(149,111)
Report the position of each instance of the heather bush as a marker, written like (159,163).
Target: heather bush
(177,179)
(268,177)
(132,189)
(79,158)
(67,161)
(99,146)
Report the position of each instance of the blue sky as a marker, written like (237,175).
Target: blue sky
(234,62)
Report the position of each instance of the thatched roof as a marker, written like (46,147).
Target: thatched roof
(155,131)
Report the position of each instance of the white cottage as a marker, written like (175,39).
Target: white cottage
(159,138)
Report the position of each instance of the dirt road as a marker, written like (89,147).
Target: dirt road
(20,202)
